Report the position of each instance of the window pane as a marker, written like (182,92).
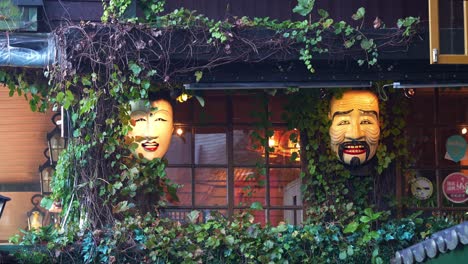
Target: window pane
(210,187)
(214,110)
(284,147)
(420,188)
(248,108)
(249,187)
(293,217)
(421,146)
(285,187)
(453,106)
(180,151)
(248,149)
(451,27)
(182,176)
(210,145)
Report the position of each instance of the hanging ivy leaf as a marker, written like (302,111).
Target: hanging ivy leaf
(359,13)
(304,7)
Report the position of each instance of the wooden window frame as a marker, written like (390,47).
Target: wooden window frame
(439,169)
(434,36)
(229,125)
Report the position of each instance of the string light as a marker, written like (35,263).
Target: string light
(464,130)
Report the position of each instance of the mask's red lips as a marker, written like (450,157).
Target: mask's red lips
(354,149)
(150,146)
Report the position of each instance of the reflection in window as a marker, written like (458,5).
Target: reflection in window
(421,145)
(180,151)
(182,177)
(284,185)
(249,186)
(248,150)
(219,159)
(210,146)
(284,144)
(210,186)
(428,134)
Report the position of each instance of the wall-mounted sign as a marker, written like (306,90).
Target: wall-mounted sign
(152,127)
(456,148)
(355,130)
(422,188)
(454,187)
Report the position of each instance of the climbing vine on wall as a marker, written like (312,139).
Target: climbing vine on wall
(332,193)
(106,65)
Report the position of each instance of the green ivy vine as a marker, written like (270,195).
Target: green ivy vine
(122,194)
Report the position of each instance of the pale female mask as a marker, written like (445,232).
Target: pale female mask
(152,128)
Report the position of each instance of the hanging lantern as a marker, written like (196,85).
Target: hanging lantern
(3,201)
(46,172)
(35,216)
(56,145)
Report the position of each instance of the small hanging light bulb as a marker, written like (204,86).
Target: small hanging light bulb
(179,131)
(464,130)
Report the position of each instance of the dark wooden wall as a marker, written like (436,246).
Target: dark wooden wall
(58,12)
(66,11)
(389,10)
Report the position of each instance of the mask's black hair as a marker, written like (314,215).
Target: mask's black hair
(161,95)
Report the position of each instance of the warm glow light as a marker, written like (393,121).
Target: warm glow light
(464,130)
(179,131)
(271,142)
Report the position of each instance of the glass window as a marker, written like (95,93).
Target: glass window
(421,145)
(180,150)
(249,187)
(438,150)
(210,145)
(284,144)
(447,30)
(182,177)
(223,149)
(248,149)
(285,187)
(210,187)
(451,27)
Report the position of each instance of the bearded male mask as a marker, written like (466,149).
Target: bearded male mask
(355,130)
